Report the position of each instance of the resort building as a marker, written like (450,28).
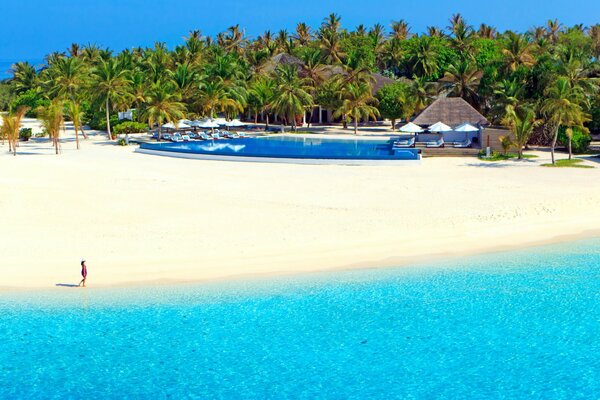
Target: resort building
(319,115)
(452,111)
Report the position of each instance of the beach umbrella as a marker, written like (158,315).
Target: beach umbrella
(439,127)
(169,125)
(466,127)
(183,124)
(208,124)
(195,123)
(220,121)
(411,128)
(235,123)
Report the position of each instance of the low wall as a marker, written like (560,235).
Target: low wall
(494,137)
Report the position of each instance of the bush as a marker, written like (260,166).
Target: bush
(25,134)
(122,142)
(31,99)
(98,122)
(130,127)
(580,141)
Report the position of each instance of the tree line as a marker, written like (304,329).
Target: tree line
(538,83)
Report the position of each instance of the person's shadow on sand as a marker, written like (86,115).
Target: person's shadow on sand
(66,285)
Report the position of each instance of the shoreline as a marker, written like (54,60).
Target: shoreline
(413,262)
(145,220)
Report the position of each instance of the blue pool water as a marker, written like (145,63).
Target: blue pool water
(519,325)
(292,147)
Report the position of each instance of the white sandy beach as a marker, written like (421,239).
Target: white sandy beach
(139,218)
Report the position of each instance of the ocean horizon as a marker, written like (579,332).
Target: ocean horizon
(519,324)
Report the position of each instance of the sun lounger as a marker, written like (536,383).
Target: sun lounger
(404,143)
(204,136)
(462,145)
(435,143)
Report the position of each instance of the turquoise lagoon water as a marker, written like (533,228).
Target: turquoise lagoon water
(521,325)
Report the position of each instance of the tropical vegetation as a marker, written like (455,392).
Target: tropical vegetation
(551,70)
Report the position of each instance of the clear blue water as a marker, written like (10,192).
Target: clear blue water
(290,147)
(518,325)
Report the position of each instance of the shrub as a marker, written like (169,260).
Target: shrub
(506,143)
(98,122)
(122,142)
(31,99)
(25,134)
(130,127)
(580,141)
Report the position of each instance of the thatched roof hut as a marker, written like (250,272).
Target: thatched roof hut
(452,111)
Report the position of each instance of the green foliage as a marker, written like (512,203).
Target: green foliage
(392,100)
(566,163)
(580,141)
(6,95)
(98,121)
(129,127)
(495,156)
(122,142)
(25,134)
(360,52)
(31,99)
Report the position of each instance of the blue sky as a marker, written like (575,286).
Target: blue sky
(33,28)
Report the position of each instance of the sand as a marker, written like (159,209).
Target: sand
(139,218)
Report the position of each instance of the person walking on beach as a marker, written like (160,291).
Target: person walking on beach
(83,273)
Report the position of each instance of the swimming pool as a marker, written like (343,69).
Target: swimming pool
(288,149)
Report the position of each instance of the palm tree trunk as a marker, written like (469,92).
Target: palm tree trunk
(76,136)
(554,143)
(356,126)
(256,117)
(159,131)
(570,148)
(108,120)
(345,121)
(393,124)
(267,124)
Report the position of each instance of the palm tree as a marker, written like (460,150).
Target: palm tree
(11,124)
(486,32)
(563,108)
(162,105)
(24,77)
(422,92)
(291,96)
(462,80)
(215,96)
(424,60)
(594,33)
(233,41)
(303,35)
(400,30)
(517,51)
(67,77)
(260,96)
(53,120)
(553,27)
(521,121)
(359,104)
(111,86)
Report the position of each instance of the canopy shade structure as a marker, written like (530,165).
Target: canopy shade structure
(195,123)
(235,123)
(439,127)
(180,125)
(208,124)
(220,121)
(466,128)
(411,128)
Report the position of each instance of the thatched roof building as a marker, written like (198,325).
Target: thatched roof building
(271,65)
(451,111)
